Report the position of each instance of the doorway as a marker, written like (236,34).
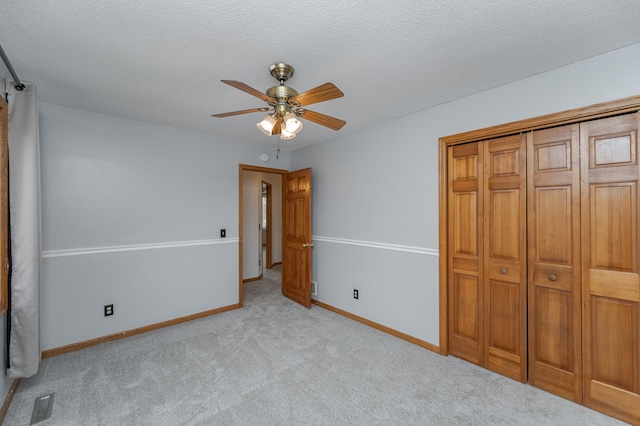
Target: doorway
(295,237)
(260,222)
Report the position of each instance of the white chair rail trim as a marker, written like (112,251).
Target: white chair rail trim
(376,245)
(135,247)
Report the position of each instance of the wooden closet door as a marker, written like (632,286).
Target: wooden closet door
(465,241)
(555,326)
(611,289)
(505,258)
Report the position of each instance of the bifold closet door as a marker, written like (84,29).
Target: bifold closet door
(505,257)
(487,256)
(547,226)
(553,191)
(465,248)
(610,271)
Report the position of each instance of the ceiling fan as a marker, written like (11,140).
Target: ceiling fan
(286,104)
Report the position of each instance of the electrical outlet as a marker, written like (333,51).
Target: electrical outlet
(108,310)
(223,233)
(355,293)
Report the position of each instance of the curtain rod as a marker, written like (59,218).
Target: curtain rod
(17,83)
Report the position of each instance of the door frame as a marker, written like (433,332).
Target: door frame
(268,262)
(247,168)
(592,112)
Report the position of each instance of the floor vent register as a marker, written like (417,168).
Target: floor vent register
(42,408)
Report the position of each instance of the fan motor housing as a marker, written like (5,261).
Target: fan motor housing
(281,93)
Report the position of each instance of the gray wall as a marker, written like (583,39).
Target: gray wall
(131,215)
(375,202)
(251,242)
(276,215)
(5,381)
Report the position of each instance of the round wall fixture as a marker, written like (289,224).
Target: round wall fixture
(264,157)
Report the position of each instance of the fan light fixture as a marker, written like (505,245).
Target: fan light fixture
(266,126)
(286,105)
(285,134)
(291,125)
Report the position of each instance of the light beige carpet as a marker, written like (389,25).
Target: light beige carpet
(276,363)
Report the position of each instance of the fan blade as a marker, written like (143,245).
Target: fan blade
(321,93)
(244,111)
(277,128)
(323,120)
(248,89)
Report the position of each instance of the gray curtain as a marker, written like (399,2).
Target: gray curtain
(24,216)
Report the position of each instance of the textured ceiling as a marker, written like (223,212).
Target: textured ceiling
(161,61)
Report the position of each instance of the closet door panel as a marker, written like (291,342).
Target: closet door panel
(608,314)
(611,275)
(612,211)
(465,239)
(554,261)
(551,327)
(505,256)
(465,330)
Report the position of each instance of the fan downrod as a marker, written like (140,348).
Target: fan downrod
(281,71)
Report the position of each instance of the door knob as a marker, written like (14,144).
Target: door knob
(503,271)
(305,245)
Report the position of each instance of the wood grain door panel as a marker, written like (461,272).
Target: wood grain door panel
(465,240)
(612,209)
(505,296)
(466,334)
(611,277)
(616,368)
(296,253)
(553,191)
(553,326)
(503,309)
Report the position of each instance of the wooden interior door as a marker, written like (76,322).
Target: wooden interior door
(296,237)
(465,179)
(505,258)
(555,288)
(611,280)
